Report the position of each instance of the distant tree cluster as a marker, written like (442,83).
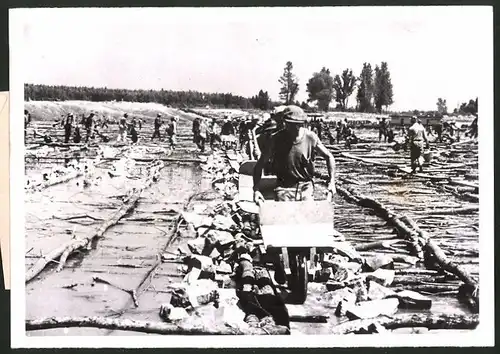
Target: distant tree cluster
(468,108)
(166,97)
(375,90)
(261,101)
(441,106)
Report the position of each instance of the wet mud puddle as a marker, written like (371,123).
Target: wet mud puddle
(123,257)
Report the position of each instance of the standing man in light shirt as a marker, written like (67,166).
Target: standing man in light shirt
(418,141)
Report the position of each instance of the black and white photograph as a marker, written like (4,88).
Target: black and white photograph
(271,172)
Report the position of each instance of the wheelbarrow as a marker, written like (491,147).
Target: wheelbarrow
(296,232)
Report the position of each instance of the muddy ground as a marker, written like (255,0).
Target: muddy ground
(129,251)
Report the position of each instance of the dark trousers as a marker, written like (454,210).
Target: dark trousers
(67,134)
(201,143)
(156,134)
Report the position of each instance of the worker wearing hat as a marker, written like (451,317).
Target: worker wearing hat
(292,150)
(171,131)
(157,124)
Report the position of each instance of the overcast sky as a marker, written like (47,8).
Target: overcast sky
(431,52)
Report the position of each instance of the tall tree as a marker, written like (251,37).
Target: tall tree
(320,88)
(365,89)
(289,84)
(344,87)
(261,101)
(441,106)
(383,87)
(469,108)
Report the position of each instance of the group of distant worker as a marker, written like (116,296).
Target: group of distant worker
(253,131)
(90,127)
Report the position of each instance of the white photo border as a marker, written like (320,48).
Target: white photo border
(482,336)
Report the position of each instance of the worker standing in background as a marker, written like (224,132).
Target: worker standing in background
(418,141)
(133,133)
(172,132)
(438,129)
(382,129)
(68,126)
(77,137)
(157,124)
(104,122)
(196,130)
(203,134)
(473,132)
(227,127)
(214,133)
(122,128)
(89,125)
(340,130)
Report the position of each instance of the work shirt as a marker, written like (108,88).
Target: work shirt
(227,129)
(196,125)
(157,123)
(203,130)
(293,160)
(215,129)
(417,132)
(172,128)
(89,122)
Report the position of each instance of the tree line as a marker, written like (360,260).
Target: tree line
(375,89)
(465,108)
(374,92)
(166,97)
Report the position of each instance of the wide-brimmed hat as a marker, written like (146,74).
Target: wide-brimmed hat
(294,114)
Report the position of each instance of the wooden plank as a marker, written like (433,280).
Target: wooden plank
(297,213)
(464,183)
(285,235)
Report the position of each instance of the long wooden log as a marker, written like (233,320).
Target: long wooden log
(439,321)
(455,211)
(64,251)
(372,162)
(464,184)
(375,245)
(387,215)
(418,239)
(183,328)
(62,179)
(138,159)
(442,260)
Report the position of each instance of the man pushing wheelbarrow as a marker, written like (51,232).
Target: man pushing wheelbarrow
(292,151)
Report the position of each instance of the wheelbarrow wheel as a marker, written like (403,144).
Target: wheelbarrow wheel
(299,289)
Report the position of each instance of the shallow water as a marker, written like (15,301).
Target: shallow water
(130,243)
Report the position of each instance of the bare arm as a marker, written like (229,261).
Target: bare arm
(330,164)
